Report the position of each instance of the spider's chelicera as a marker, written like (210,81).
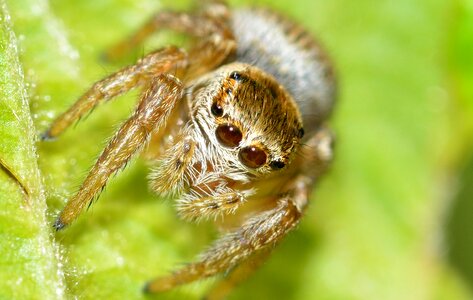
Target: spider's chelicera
(239,121)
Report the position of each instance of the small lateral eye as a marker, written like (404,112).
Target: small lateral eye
(229,135)
(253,157)
(277,164)
(235,75)
(216,109)
(301,132)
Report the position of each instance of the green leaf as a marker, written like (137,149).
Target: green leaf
(374,229)
(30,268)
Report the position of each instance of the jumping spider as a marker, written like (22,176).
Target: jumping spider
(235,126)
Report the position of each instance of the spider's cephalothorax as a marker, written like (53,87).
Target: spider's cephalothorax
(237,130)
(233,136)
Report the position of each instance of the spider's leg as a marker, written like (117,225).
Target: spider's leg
(212,19)
(239,274)
(156,104)
(257,236)
(210,53)
(158,62)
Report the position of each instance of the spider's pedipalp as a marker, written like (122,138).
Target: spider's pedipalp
(204,203)
(171,176)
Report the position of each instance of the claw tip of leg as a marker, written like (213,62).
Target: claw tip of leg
(58,225)
(45,136)
(146,288)
(109,57)
(104,57)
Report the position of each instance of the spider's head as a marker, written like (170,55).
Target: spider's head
(249,118)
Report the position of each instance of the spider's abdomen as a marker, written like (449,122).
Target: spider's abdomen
(287,52)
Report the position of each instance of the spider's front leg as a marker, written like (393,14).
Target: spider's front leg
(137,75)
(155,105)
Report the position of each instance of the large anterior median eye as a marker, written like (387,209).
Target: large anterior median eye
(229,135)
(253,157)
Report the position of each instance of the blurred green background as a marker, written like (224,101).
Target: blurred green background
(392,220)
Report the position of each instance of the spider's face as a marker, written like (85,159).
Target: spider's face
(247,116)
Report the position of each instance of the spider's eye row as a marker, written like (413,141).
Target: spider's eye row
(216,109)
(229,135)
(277,164)
(253,157)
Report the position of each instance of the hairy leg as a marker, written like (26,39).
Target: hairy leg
(316,153)
(118,83)
(239,274)
(155,105)
(257,234)
(178,21)
(212,19)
